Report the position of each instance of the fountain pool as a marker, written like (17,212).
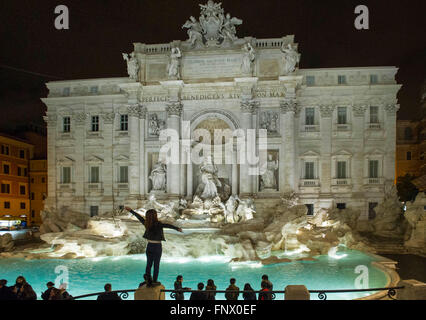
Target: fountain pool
(125,272)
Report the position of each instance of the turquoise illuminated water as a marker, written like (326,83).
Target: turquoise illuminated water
(90,275)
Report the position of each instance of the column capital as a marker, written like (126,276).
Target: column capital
(249,106)
(108,117)
(359,110)
(137,111)
(50,119)
(289,105)
(326,111)
(80,118)
(392,109)
(174,108)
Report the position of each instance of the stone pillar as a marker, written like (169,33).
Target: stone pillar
(142,164)
(174,112)
(246,184)
(108,165)
(189,181)
(51,120)
(134,154)
(234,174)
(79,131)
(390,142)
(326,112)
(287,169)
(357,161)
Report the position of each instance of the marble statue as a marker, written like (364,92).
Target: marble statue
(195,32)
(268,180)
(158,177)
(132,65)
(245,210)
(290,59)
(155,125)
(229,31)
(208,188)
(249,57)
(173,68)
(269,121)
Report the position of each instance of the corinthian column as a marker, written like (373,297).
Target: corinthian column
(287,169)
(142,172)
(174,112)
(326,112)
(134,172)
(357,163)
(51,120)
(79,120)
(390,142)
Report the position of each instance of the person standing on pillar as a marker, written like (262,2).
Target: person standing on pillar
(155,235)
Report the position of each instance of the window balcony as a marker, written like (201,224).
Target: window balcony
(343,127)
(309,183)
(341,182)
(66,187)
(123,185)
(311,128)
(374,126)
(373,181)
(94,185)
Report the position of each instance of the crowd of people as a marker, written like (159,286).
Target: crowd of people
(22,290)
(231,293)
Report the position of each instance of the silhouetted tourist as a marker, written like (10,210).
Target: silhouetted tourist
(26,292)
(64,293)
(6,293)
(108,294)
(55,294)
(154,234)
(199,294)
(46,295)
(178,286)
(265,278)
(249,295)
(232,291)
(265,294)
(210,286)
(20,281)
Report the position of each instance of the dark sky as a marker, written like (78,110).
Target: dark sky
(101,29)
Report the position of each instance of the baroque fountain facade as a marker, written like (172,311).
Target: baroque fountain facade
(169,137)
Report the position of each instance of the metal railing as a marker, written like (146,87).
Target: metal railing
(322,294)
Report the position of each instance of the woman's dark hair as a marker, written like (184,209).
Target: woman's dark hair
(179,277)
(55,294)
(150,219)
(210,283)
(21,278)
(200,286)
(247,287)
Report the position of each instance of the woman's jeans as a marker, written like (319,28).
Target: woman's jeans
(153,256)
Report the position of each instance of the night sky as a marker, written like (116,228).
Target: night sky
(100,30)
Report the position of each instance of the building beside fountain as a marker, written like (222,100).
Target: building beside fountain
(331,132)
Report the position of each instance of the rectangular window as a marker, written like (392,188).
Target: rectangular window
(124,122)
(25,172)
(22,154)
(94,90)
(374,114)
(32,213)
(5,188)
(7,205)
(95,124)
(409,155)
(374,79)
(23,205)
(309,116)
(124,174)
(341,115)
(66,175)
(32,196)
(373,169)
(309,170)
(32,180)
(341,79)
(94,211)
(310,81)
(66,92)
(22,190)
(6,169)
(94,174)
(67,124)
(5,150)
(43,180)
(310,209)
(341,169)
(19,171)
(341,206)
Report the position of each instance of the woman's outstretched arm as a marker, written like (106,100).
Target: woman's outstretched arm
(170,226)
(137,215)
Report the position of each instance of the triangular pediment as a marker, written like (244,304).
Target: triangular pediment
(65,159)
(94,158)
(342,152)
(375,152)
(310,153)
(122,157)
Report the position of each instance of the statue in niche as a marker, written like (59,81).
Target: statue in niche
(173,69)
(248,59)
(268,179)
(208,188)
(155,125)
(132,65)
(159,177)
(229,31)
(195,32)
(290,59)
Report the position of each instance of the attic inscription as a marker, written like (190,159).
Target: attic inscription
(211,66)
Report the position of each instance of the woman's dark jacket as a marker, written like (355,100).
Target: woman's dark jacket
(156,231)
(249,295)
